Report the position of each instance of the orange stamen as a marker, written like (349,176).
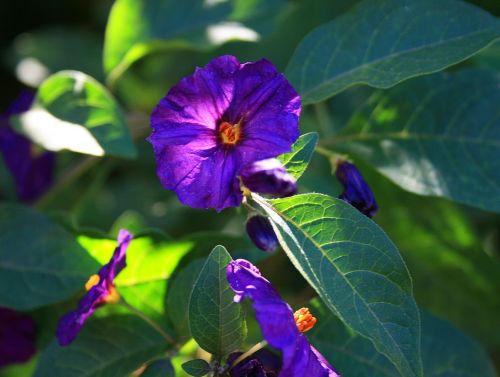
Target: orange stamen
(230,134)
(304,319)
(112,298)
(93,281)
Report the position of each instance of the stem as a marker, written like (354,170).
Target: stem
(250,352)
(147,319)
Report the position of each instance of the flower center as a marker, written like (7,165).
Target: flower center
(230,134)
(304,319)
(111,298)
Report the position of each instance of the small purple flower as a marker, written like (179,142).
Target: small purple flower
(212,124)
(277,322)
(261,233)
(32,172)
(17,337)
(269,177)
(356,191)
(100,290)
(262,363)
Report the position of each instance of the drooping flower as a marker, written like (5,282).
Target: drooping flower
(277,322)
(214,123)
(261,233)
(269,177)
(356,191)
(17,337)
(100,290)
(32,172)
(262,363)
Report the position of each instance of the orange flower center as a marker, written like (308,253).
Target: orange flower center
(304,319)
(230,134)
(112,298)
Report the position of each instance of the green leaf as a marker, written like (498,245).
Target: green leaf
(412,135)
(159,368)
(297,160)
(197,367)
(40,263)
(383,42)
(355,269)
(170,25)
(75,112)
(113,347)
(446,352)
(215,320)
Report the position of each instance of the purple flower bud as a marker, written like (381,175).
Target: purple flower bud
(356,190)
(261,233)
(17,337)
(269,177)
(262,363)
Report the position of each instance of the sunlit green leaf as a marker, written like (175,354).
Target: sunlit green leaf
(297,160)
(383,42)
(40,263)
(113,347)
(446,352)
(355,269)
(75,112)
(437,135)
(216,322)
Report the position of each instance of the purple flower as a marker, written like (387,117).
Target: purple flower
(32,172)
(277,322)
(356,191)
(17,337)
(212,124)
(100,290)
(269,177)
(262,363)
(261,233)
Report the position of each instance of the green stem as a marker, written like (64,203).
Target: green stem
(250,352)
(151,322)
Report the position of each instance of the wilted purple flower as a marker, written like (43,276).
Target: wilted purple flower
(100,290)
(212,124)
(269,177)
(17,337)
(277,322)
(262,363)
(32,173)
(261,233)
(356,190)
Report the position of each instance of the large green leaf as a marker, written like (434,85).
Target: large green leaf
(437,135)
(216,322)
(159,368)
(383,42)
(297,160)
(446,352)
(75,112)
(113,347)
(356,270)
(169,24)
(40,263)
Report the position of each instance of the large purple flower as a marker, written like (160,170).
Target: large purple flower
(17,337)
(212,124)
(100,290)
(32,172)
(278,324)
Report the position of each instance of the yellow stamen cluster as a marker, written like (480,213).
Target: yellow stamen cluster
(230,134)
(304,319)
(112,298)
(93,281)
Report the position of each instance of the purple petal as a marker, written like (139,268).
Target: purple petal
(275,318)
(261,233)
(269,177)
(17,337)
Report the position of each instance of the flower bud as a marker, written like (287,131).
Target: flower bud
(356,190)
(269,177)
(261,233)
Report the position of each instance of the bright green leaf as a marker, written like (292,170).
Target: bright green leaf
(446,352)
(196,368)
(437,135)
(383,42)
(355,268)
(75,112)
(297,160)
(216,322)
(159,368)
(113,347)
(40,263)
